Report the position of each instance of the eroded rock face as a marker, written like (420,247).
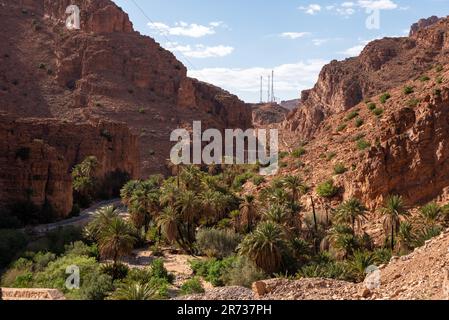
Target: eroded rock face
(412,158)
(422,24)
(38,156)
(107,71)
(383,64)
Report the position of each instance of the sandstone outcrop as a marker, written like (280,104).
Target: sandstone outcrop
(270,113)
(383,64)
(38,156)
(104,70)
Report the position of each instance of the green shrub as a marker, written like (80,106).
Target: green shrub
(159,271)
(217,243)
(362,144)
(352,115)
(118,271)
(359,122)
(192,286)
(408,90)
(258,180)
(79,248)
(439,80)
(439,68)
(11,243)
(372,106)
(413,103)
(424,78)
(241,179)
(378,112)
(283,154)
(242,272)
(385,97)
(327,270)
(340,168)
(341,127)
(327,189)
(96,286)
(299,152)
(212,270)
(330,156)
(141,110)
(437,92)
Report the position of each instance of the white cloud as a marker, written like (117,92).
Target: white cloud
(319,42)
(356,50)
(200,51)
(294,35)
(185,29)
(290,79)
(377,4)
(311,8)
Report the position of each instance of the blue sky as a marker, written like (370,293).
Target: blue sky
(231,43)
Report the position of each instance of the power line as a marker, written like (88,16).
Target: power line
(162,33)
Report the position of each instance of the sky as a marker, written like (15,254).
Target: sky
(232,43)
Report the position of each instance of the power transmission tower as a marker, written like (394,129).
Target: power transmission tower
(261,89)
(269,96)
(273,99)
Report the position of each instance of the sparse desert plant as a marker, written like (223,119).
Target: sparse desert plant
(359,122)
(439,68)
(378,112)
(372,106)
(352,115)
(424,78)
(242,272)
(327,189)
(362,144)
(408,90)
(341,127)
(384,97)
(439,80)
(437,92)
(258,180)
(299,152)
(412,103)
(217,243)
(340,168)
(359,263)
(192,286)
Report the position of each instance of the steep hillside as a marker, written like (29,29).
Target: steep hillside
(106,70)
(270,113)
(383,64)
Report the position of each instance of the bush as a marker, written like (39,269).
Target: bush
(372,106)
(439,68)
(79,248)
(437,92)
(385,97)
(242,272)
(299,152)
(192,286)
(352,115)
(424,78)
(212,270)
(439,80)
(96,286)
(159,271)
(362,144)
(217,243)
(117,272)
(378,112)
(339,168)
(359,122)
(241,179)
(327,189)
(341,127)
(408,90)
(327,270)
(412,103)
(58,239)
(11,243)
(258,180)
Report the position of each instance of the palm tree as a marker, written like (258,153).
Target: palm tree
(351,211)
(295,185)
(134,291)
(431,212)
(248,212)
(265,247)
(101,220)
(128,190)
(360,262)
(340,238)
(393,211)
(168,221)
(116,240)
(143,205)
(405,236)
